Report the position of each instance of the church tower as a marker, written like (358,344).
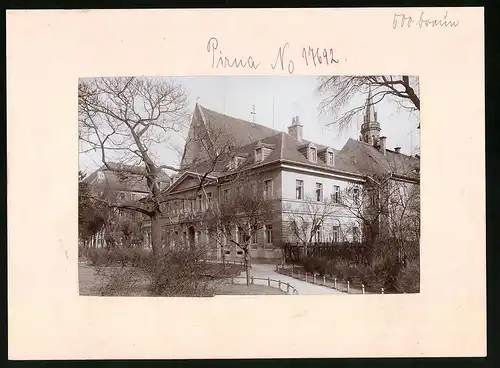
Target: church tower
(370,129)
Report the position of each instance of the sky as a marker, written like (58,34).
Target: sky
(277,99)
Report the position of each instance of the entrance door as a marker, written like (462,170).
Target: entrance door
(191,237)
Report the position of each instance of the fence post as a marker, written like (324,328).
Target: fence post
(382,290)
(252,279)
(306,276)
(268,281)
(335,283)
(324,280)
(314,278)
(347,287)
(362,288)
(232,280)
(279,284)
(287,288)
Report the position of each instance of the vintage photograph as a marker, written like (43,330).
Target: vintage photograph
(249,185)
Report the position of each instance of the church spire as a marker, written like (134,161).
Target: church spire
(370,129)
(370,113)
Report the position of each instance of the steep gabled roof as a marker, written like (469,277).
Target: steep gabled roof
(244,132)
(132,181)
(370,161)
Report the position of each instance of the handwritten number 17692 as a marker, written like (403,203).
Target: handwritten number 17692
(318,56)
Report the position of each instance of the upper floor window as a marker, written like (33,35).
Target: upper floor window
(299,189)
(319,192)
(226,196)
(313,154)
(329,158)
(355,195)
(268,189)
(258,154)
(199,205)
(209,200)
(336,194)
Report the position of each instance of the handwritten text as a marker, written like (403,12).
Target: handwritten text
(402,20)
(283,60)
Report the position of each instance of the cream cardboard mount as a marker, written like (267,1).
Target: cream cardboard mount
(47,317)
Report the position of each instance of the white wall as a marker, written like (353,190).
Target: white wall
(291,205)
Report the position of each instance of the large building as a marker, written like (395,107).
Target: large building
(301,176)
(304,179)
(121,184)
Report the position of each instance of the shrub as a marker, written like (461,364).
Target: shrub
(121,281)
(140,257)
(182,272)
(315,265)
(99,256)
(408,278)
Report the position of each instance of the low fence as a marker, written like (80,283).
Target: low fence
(294,252)
(331,282)
(281,285)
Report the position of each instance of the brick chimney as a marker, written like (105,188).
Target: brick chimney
(295,130)
(397,149)
(382,144)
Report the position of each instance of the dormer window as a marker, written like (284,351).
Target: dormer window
(258,154)
(313,154)
(100,175)
(329,158)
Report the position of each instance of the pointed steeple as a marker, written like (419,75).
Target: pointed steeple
(370,128)
(370,113)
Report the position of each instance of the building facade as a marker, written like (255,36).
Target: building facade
(320,194)
(305,179)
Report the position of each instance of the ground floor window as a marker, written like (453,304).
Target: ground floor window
(269,233)
(335,234)
(355,234)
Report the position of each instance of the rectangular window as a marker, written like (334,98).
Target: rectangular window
(258,155)
(209,201)
(299,189)
(336,231)
(373,197)
(336,194)
(355,195)
(269,234)
(317,234)
(355,234)
(314,156)
(226,196)
(319,192)
(330,158)
(200,203)
(268,191)
(254,235)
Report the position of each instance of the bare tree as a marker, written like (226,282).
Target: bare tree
(339,92)
(241,216)
(125,119)
(305,220)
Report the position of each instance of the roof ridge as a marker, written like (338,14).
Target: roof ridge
(239,119)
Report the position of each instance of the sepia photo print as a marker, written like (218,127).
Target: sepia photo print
(249,185)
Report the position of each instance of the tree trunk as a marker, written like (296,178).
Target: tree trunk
(247,264)
(156,239)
